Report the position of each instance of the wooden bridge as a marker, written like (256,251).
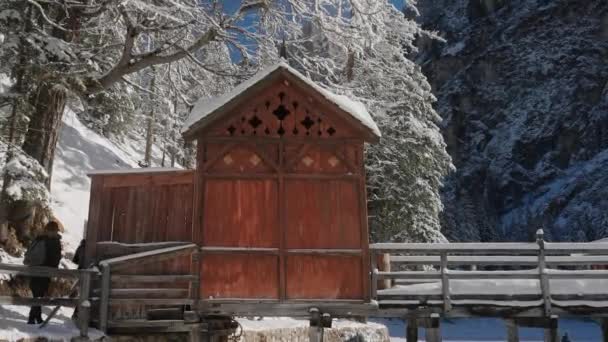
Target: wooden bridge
(526,284)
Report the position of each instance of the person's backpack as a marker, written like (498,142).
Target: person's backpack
(34,256)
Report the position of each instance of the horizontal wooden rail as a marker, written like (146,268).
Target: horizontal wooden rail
(501,260)
(473,248)
(111,297)
(83,303)
(157,279)
(243,250)
(40,271)
(149,256)
(447,274)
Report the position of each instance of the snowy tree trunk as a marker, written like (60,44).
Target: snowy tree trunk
(45,122)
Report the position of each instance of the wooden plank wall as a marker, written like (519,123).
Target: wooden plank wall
(139,207)
(281,210)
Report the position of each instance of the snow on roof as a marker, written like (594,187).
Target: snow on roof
(207,106)
(134,171)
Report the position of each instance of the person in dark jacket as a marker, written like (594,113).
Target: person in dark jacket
(78,258)
(51,240)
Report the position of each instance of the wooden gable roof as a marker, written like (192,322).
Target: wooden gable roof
(208,111)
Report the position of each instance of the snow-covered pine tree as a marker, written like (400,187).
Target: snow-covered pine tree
(358,48)
(85,51)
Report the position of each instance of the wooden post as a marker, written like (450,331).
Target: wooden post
(433,332)
(604,325)
(104,302)
(542,271)
(385,266)
(374,275)
(315,334)
(512,330)
(551,333)
(315,331)
(84,305)
(195,334)
(445,282)
(195,286)
(411,331)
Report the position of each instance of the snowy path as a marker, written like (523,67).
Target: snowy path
(14,327)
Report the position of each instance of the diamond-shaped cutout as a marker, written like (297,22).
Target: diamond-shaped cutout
(307,161)
(255,122)
(307,122)
(333,161)
(281,112)
(228,159)
(255,160)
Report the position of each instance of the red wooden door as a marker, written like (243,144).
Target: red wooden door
(282,203)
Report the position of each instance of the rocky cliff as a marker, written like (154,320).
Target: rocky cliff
(522,88)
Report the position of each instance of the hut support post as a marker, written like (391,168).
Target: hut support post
(551,334)
(374,275)
(604,326)
(433,332)
(411,332)
(84,305)
(542,271)
(104,302)
(445,283)
(195,286)
(512,330)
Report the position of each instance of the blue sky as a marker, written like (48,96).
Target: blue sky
(232,5)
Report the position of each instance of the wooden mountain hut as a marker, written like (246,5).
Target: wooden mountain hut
(277,202)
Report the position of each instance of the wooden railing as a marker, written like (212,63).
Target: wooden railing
(109,296)
(442,265)
(82,301)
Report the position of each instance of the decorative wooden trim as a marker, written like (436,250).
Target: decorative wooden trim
(364,229)
(205,165)
(238,250)
(282,224)
(355,252)
(147,180)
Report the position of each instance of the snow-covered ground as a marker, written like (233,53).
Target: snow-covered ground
(14,327)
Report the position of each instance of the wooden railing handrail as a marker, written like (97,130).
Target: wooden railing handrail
(82,301)
(466,248)
(43,271)
(149,256)
(140,258)
(540,261)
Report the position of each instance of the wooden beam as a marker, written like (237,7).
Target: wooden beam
(130,279)
(40,271)
(551,332)
(45,301)
(84,305)
(604,326)
(104,302)
(149,256)
(113,249)
(512,330)
(433,330)
(411,331)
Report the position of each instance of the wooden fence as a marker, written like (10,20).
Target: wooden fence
(531,284)
(112,294)
(83,278)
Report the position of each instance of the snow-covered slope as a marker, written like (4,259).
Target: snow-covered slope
(79,151)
